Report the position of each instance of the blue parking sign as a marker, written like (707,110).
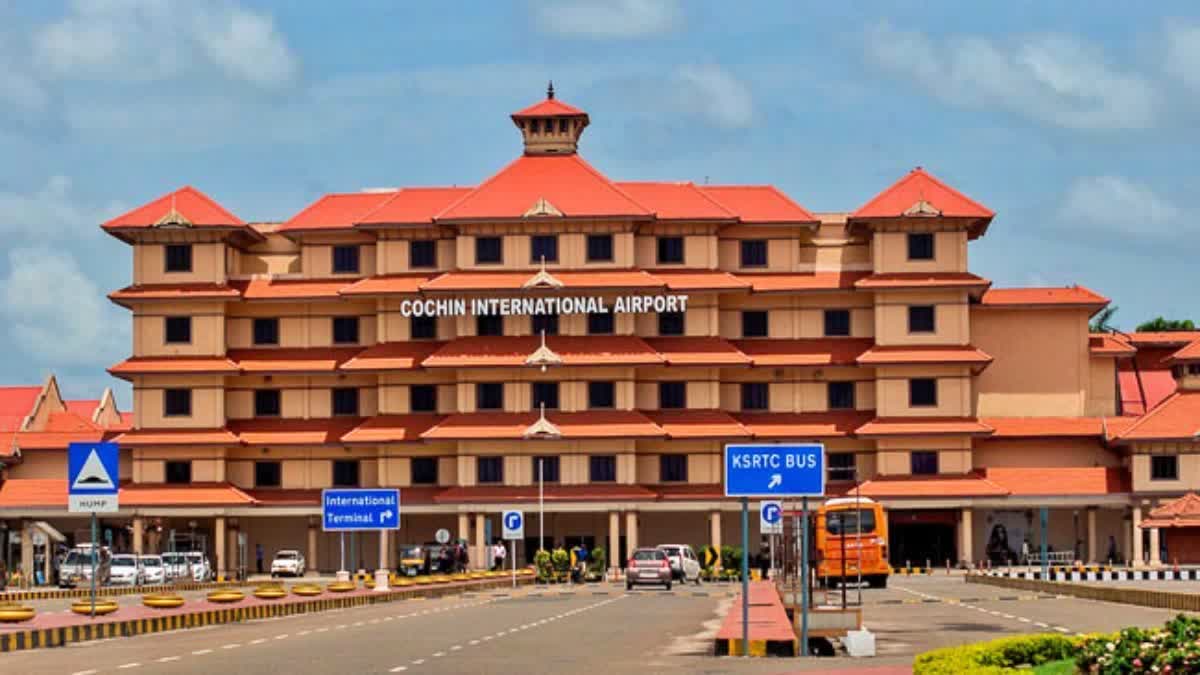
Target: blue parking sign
(795,470)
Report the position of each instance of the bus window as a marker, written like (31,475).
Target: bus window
(838,521)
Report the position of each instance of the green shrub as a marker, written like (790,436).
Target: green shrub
(561,560)
(598,560)
(998,656)
(541,562)
(1174,648)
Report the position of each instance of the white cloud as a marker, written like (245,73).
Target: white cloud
(608,18)
(1182,43)
(1055,79)
(151,40)
(51,212)
(1122,206)
(56,313)
(714,93)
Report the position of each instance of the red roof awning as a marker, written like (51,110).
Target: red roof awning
(488,494)
(392,356)
(173,292)
(146,437)
(924,354)
(760,204)
(895,281)
(804,352)
(510,351)
(335,211)
(1175,419)
(291,289)
(1060,480)
(571,425)
(293,359)
(697,351)
(597,280)
(700,280)
(794,283)
(1068,296)
(931,487)
(393,428)
(290,431)
(173,365)
(923,426)
(698,424)
(392,284)
(834,424)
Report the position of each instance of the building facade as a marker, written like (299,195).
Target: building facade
(553,332)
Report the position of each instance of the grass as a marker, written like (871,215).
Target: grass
(1061,667)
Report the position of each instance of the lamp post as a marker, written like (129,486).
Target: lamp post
(541,507)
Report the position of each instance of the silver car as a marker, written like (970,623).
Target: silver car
(648,566)
(685,566)
(126,570)
(153,570)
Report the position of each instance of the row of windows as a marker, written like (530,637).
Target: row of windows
(544,248)
(267,402)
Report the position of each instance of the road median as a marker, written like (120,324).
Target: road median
(1124,595)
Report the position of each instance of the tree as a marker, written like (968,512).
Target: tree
(1160,324)
(1101,324)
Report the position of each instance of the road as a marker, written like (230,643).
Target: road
(601,629)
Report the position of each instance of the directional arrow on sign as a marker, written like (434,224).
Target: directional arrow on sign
(385,516)
(776,481)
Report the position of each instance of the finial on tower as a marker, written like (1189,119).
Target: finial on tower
(550,90)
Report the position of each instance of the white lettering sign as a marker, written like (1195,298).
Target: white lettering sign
(625,304)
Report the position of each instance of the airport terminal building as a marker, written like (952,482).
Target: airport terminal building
(609,337)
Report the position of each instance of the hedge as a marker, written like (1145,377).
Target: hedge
(1005,655)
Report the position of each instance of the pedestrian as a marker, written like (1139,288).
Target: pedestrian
(764,565)
(1025,552)
(463,559)
(1112,549)
(500,555)
(583,561)
(258,557)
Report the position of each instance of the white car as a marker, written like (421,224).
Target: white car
(685,566)
(201,570)
(288,562)
(126,570)
(176,567)
(153,570)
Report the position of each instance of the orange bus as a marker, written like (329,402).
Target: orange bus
(862,524)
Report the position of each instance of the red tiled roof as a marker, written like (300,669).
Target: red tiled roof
(335,211)
(293,359)
(392,284)
(83,408)
(141,437)
(698,424)
(697,351)
(1182,512)
(300,497)
(907,280)
(393,428)
(550,107)
(1174,338)
(56,440)
(33,492)
(1109,344)
(197,208)
(672,492)
(392,356)
(510,351)
(922,354)
(503,494)
(1145,380)
(192,494)
(567,182)
(572,425)
(700,280)
(1191,352)
(921,186)
(173,292)
(1069,296)
(413,206)
(834,424)
(1060,480)
(290,289)
(1175,419)
(812,281)
(676,201)
(804,352)
(511,281)
(15,405)
(172,364)
(1037,427)
(759,204)
(923,426)
(965,485)
(288,431)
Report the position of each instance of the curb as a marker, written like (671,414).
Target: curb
(107,591)
(1122,595)
(726,647)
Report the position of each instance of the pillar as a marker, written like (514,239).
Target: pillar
(310,560)
(232,549)
(480,557)
(139,534)
(966,551)
(1091,534)
(714,534)
(464,527)
(383,550)
(614,542)
(1155,557)
(27,552)
(1139,557)
(48,558)
(219,546)
(631,531)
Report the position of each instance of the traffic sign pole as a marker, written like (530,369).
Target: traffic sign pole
(745,577)
(95,555)
(512,547)
(804,576)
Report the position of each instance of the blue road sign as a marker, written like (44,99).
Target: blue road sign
(770,516)
(93,476)
(347,510)
(775,470)
(514,525)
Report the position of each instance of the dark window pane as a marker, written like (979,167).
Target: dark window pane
(599,248)
(545,323)
(422,397)
(545,393)
(489,396)
(924,463)
(601,323)
(177,402)
(922,392)
(267,474)
(345,259)
(489,470)
(345,401)
(422,253)
(423,327)
(266,331)
(178,329)
(841,466)
(488,250)
(920,319)
(841,395)
(602,394)
(754,253)
(920,246)
(178,472)
(602,468)
(756,396)
(489,324)
(178,257)
(670,323)
(345,473)
(543,247)
(424,470)
(754,324)
(670,250)
(1164,467)
(672,395)
(267,402)
(672,468)
(549,466)
(345,330)
(837,322)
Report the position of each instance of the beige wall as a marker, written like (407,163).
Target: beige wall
(890,250)
(1189,467)
(208,402)
(208,264)
(572,249)
(1043,452)
(1041,362)
(699,252)
(208,330)
(393,255)
(301,397)
(953,385)
(316,260)
(951,318)
(899,462)
(307,324)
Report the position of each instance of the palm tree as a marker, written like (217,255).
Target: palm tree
(1160,324)
(1101,324)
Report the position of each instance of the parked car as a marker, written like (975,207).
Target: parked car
(648,566)
(76,568)
(289,561)
(153,570)
(685,565)
(201,570)
(126,570)
(176,567)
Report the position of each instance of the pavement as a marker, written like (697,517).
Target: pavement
(555,630)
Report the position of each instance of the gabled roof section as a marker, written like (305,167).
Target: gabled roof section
(804,352)
(895,281)
(172,292)
(923,426)
(413,206)
(1109,344)
(549,107)
(921,195)
(1182,512)
(186,207)
(796,282)
(1175,419)
(677,201)
(575,188)
(339,211)
(1173,338)
(1045,298)
(898,355)
(16,403)
(272,288)
(1060,480)
(760,204)
(1190,353)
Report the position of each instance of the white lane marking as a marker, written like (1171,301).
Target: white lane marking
(388,618)
(322,629)
(284,636)
(418,662)
(85,672)
(1008,616)
(398,669)
(168,659)
(126,666)
(487,638)
(356,624)
(231,645)
(456,648)
(1061,629)
(439,654)
(1039,624)
(201,652)
(1023,619)
(473,642)
(340,626)
(304,632)
(994,613)
(259,641)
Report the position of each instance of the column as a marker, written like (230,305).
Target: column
(614,542)
(219,546)
(1091,534)
(47,558)
(27,552)
(1155,557)
(631,531)
(965,544)
(1138,556)
(232,549)
(714,534)
(139,535)
(383,549)
(464,527)
(310,560)
(480,556)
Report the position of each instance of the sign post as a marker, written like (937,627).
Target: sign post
(92,475)
(804,575)
(773,472)
(514,529)
(354,510)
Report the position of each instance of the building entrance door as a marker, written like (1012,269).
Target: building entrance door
(921,538)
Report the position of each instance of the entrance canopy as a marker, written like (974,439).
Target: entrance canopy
(1183,512)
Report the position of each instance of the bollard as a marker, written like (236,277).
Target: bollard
(947,566)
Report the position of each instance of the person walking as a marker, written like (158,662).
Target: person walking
(499,554)
(258,557)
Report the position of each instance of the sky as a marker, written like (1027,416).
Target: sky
(1078,129)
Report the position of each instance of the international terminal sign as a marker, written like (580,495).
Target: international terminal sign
(622,304)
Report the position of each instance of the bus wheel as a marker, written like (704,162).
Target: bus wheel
(877,581)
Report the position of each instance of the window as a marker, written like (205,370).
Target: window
(1193,369)
(670,323)
(601,323)
(837,322)
(267,474)
(547,323)
(489,396)
(756,396)
(178,329)
(423,328)
(672,395)
(670,250)
(924,462)
(549,468)
(488,250)
(177,403)
(345,473)
(599,248)
(424,471)
(266,331)
(754,324)
(920,246)
(922,392)
(178,471)
(672,468)
(178,257)
(754,253)
(602,394)
(920,319)
(345,330)
(602,468)
(543,247)
(489,470)
(489,325)
(345,401)
(1164,467)
(545,393)
(422,253)
(841,395)
(422,397)
(345,259)
(841,466)
(267,403)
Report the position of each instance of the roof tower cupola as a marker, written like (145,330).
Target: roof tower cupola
(550,127)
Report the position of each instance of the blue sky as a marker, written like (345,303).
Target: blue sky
(1078,130)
